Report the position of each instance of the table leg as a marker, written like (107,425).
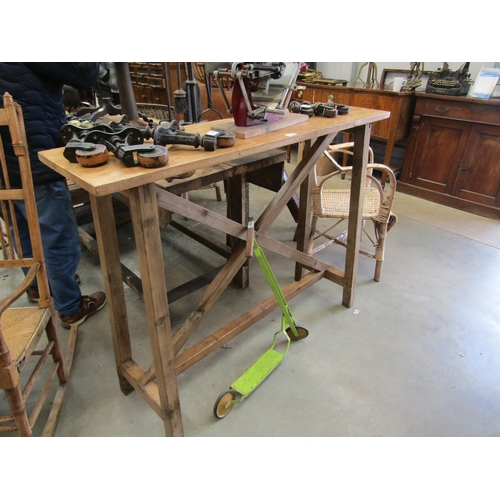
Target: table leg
(109,256)
(237,191)
(360,161)
(144,213)
(304,222)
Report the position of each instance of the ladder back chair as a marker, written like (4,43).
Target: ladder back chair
(332,202)
(33,373)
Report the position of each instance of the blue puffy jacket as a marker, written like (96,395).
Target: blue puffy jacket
(37,87)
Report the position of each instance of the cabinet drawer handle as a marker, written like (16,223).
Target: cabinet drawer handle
(442,109)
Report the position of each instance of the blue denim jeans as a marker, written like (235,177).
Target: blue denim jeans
(60,240)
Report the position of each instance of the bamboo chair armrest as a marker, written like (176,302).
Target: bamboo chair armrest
(387,195)
(388,171)
(346,148)
(6,302)
(326,178)
(339,168)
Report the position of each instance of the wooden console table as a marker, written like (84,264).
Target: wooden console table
(399,104)
(453,154)
(158,384)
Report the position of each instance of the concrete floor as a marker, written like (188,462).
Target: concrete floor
(417,355)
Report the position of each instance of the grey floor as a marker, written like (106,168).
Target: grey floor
(417,355)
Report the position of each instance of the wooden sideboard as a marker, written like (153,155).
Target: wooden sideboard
(400,105)
(453,153)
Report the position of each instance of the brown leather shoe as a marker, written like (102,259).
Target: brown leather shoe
(91,304)
(34,296)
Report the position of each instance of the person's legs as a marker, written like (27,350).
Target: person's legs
(61,244)
(61,247)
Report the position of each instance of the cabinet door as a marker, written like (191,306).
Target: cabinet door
(478,178)
(437,154)
(373,101)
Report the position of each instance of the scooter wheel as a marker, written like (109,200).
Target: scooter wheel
(221,407)
(303,333)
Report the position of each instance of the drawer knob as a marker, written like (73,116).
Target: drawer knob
(442,109)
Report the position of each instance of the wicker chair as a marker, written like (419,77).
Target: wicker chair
(160,112)
(333,203)
(22,329)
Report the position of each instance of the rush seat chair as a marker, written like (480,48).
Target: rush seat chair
(33,373)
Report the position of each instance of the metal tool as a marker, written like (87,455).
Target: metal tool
(208,69)
(192,89)
(180,96)
(258,372)
(261,92)
(96,132)
(328,109)
(86,153)
(167,90)
(85,146)
(127,142)
(144,155)
(106,108)
(173,133)
(89,154)
(76,145)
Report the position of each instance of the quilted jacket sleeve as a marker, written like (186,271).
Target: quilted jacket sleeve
(80,75)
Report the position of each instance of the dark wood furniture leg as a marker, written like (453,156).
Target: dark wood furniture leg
(237,192)
(354,227)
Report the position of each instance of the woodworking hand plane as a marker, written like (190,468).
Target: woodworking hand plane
(261,91)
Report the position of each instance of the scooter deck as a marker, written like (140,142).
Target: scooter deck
(257,372)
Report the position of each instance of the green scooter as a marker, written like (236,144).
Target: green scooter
(257,373)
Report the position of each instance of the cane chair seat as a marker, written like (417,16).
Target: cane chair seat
(22,328)
(334,203)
